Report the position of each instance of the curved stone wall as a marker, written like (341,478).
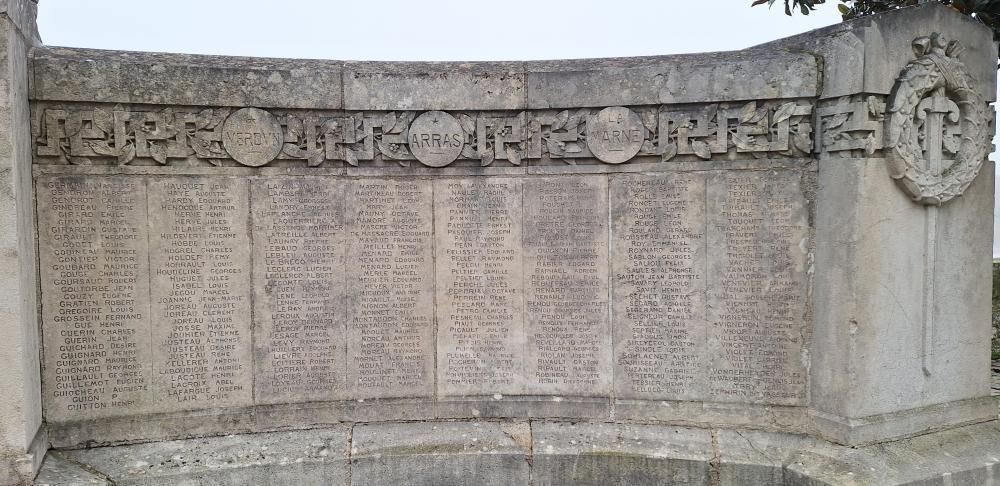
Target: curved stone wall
(241,245)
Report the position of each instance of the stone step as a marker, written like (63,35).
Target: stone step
(539,453)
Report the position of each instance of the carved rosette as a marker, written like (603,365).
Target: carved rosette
(937,128)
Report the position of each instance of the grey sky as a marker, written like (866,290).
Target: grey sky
(419,29)
(429,30)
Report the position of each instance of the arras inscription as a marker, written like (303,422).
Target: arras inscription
(299,316)
(390,296)
(200,280)
(95,299)
(436,138)
(480,298)
(567,327)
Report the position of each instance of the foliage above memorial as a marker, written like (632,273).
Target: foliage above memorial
(985,11)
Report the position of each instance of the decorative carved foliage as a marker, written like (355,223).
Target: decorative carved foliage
(851,126)
(610,135)
(765,129)
(937,127)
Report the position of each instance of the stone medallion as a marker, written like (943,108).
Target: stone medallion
(937,128)
(436,138)
(615,135)
(252,137)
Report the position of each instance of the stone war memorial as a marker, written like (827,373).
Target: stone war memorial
(759,267)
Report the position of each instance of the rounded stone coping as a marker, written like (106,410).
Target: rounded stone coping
(71,74)
(549,452)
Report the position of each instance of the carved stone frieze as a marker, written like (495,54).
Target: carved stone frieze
(851,126)
(105,135)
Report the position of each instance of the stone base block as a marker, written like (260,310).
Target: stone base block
(313,457)
(541,453)
(481,453)
(907,423)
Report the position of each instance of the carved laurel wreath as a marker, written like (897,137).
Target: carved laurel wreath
(936,66)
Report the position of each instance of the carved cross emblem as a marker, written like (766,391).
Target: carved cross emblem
(940,116)
(937,131)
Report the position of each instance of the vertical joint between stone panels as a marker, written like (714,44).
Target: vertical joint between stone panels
(37,311)
(435,390)
(149,286)
(349,455)
(18,30)
(343,83)
(610,309)
(251,326)
(524,298)
(706,179)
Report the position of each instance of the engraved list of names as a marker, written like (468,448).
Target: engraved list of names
(201,287)
(95,307)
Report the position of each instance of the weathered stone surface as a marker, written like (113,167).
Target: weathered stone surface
(58,470)
(68,74)
(866,54)
(725,76)
(481,339)
(390,294)
(232,246)
(299,284)
(22,13)
(200,283)
(658,263)
(436,138)
(95,297)
(22,434)
(567,327)
(870,317)
(306,457)
(552,453)
(598,454)
(487,453)
(434,86)
(758,245)
(252,136)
